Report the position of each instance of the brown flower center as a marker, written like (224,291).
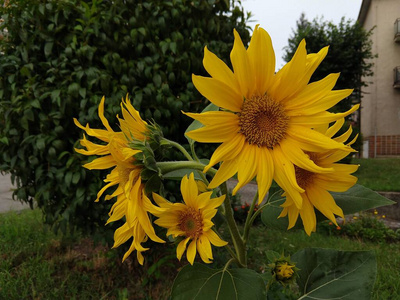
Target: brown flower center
(263,121)
(191,222)
(305,178)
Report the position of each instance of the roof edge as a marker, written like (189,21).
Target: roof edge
(362,15)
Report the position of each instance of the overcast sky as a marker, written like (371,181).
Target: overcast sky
(279,17)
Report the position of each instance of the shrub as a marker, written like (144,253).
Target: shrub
(60,57)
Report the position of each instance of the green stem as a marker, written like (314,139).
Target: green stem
(247,224)
(228,263)
(169,166)
(187,155)
(233,229)
(180,148)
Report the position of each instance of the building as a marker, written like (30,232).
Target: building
(380,105)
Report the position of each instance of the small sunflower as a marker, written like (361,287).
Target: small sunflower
(317,186)
(132,203)
(191,220)
(266,120)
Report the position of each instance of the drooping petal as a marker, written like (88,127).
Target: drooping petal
(191,252)
(284,175)
(214,238)
(265,172)
(300,159)
(181,248)
(247,166)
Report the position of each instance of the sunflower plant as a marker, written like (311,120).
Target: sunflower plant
(271,127)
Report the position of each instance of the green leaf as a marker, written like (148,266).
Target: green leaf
(359,198)
(200,282)
(333,274)
(48,47)
(197,124)
(269,215)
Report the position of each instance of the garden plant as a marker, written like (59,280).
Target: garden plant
(269,127)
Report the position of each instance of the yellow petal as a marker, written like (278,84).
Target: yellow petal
(219,70)
(101,115)
(311,140)
(214,238)
(204,249)
(334,128)
(265,172)
(214,117)
(291,77)
(181,248)
(311,94)
(189,190)
(218,93)
(230,149)
(242,67)
(321,118)
(262,59)
(247,166)
(307,214)
(285,176)
(214,134)
(101,163)
(225,171)
(300,159)
(324,202)
(191,252)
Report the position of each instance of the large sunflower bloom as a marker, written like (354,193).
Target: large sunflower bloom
(191,220)
(316,186)
(132,203)
(266,120)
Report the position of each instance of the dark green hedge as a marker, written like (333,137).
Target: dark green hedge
(58,58)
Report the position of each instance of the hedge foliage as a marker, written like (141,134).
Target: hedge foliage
(58,58)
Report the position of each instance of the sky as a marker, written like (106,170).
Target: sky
(279,17)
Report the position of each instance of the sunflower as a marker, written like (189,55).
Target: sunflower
(317,186)
(266,120)
(132,203)
(191,220)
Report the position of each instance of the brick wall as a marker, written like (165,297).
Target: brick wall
(385,145)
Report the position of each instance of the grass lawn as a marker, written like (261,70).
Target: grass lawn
(37,264)
(381,174)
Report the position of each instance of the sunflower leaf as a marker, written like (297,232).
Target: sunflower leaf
(359,198)
(333,274)
(197,124)
(200,282)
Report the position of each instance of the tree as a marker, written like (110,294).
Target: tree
(58,58)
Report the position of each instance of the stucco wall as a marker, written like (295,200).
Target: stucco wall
(380,113)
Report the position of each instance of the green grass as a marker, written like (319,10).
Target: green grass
(37,264)
(381,174)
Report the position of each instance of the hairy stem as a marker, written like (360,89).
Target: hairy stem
(240,247)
